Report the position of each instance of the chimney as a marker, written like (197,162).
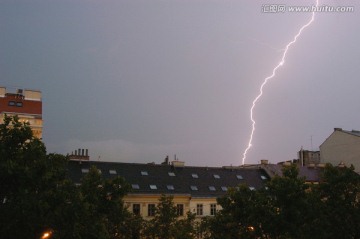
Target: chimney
(166,160)
(80,154)
(337,129)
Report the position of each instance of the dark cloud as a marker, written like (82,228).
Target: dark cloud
(138,80)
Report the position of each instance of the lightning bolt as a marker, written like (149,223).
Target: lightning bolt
(281,63)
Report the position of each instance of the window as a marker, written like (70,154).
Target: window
(239,176)
(84,170)
(112,171)
(216,176)
(180,209)
(194,175)
(199,209)
(136,209)
(213,209)
(151,210)
(11,103)
(263,177)
(19,104)
(171,174)
(212,188)
(144,173)
(153,187)
(224,188)
(170,187)
(194,188)
(135,186)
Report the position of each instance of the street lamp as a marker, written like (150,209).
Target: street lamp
(46,234)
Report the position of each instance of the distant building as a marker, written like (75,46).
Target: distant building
(308,157)
(311,173)
(342,147)
(26,104)
(194,189)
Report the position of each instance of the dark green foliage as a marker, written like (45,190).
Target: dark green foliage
(35,194)
(94,209)
(166,222)
(289,208)
(340,191)
(28,181)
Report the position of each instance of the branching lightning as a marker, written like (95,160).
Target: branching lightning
(281,63)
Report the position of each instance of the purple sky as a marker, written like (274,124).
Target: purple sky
(136,80)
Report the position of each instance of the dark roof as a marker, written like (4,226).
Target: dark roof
(352,132)
(182,181)
(311,174)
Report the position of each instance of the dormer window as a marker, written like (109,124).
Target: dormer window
(194,175)
(239,176)
(212,188)
(224,188)
(84,170)
(171,174)
(144,173)
(112,171)
(135,186)
(217,176)
(153,187)
(194,188)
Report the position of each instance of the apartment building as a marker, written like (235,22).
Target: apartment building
(194,189)
(26,104)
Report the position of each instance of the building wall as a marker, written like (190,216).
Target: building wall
(189,204)
(145,199)
(307,157)
(206,206)
(341,147)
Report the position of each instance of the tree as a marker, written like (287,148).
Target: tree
(340,191)
(36,194)
(28,181)
(185,228)
(166,222)
(163,223)
(94,209)
(235,220)
(282,209)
